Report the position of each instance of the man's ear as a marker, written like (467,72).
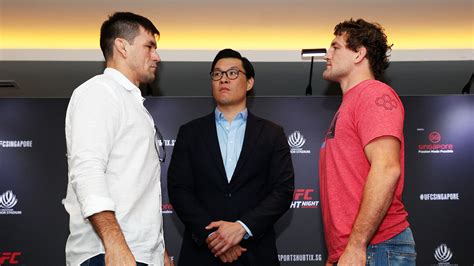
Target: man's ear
(120,46)
(250,82)
(360,54)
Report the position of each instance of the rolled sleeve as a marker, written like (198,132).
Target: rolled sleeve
(95,204)
(93,122)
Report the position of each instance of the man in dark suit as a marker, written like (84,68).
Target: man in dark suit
(231,176)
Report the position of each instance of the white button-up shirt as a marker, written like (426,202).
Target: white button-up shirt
(113,166)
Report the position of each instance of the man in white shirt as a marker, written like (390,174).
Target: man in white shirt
(114,192)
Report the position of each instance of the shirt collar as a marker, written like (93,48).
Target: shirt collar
(120,78)
(242,115)
(124,82)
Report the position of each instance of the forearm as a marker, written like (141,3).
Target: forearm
(188,208)
(268,211)
(377,196)
(194,216)
(281,188)
(181,190)
(107,228)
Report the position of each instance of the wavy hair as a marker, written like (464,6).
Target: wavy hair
(371,36)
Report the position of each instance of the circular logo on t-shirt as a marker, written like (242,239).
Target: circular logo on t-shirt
(386,102)
(434,137)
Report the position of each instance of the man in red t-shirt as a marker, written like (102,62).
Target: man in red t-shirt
(361,164)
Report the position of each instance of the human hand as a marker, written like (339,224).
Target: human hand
(232,254)
(167,259)
(227,235)
(353,256)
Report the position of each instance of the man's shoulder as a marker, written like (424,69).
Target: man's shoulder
(97,79)
(209,118)
(99,85)
(374,91)
(268,124)
(375,86)
(198,121)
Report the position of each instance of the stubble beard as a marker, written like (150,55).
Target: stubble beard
(327,75)
(148,78)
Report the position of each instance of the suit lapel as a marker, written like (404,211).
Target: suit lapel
(212,142)
(252,131)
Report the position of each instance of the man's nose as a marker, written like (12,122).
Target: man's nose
(327,56)
(224,78)
(156,56)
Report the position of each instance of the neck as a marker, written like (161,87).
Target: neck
(122,68)
(354,79)
(230,111)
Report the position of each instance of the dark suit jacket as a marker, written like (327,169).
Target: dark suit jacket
(259,193)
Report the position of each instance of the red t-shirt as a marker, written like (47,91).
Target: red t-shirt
(369,110)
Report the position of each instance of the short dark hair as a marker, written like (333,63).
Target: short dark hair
(124,25)
(372,37)
(229,53)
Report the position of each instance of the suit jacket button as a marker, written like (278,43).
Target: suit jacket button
(229,195)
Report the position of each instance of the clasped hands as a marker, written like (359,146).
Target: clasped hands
(224,242)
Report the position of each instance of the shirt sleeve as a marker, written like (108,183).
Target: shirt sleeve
(248,233)
(379,112)
(94,122)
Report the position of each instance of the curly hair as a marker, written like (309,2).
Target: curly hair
(372,37)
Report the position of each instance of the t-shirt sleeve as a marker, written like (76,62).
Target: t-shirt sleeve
(379,112)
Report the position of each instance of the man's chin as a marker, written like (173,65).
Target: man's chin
(223,102)
(149,79)
(327,76)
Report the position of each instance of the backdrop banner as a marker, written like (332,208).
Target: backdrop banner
(439,184)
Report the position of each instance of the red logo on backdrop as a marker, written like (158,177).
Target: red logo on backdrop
(9,258)
(435,146)
(434,137)
(166,208)
(302,198)
(303,194)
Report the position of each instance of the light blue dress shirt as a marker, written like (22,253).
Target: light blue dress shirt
(231,138)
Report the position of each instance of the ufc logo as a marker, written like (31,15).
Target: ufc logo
(303,193)
(166,207)
(9,257)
